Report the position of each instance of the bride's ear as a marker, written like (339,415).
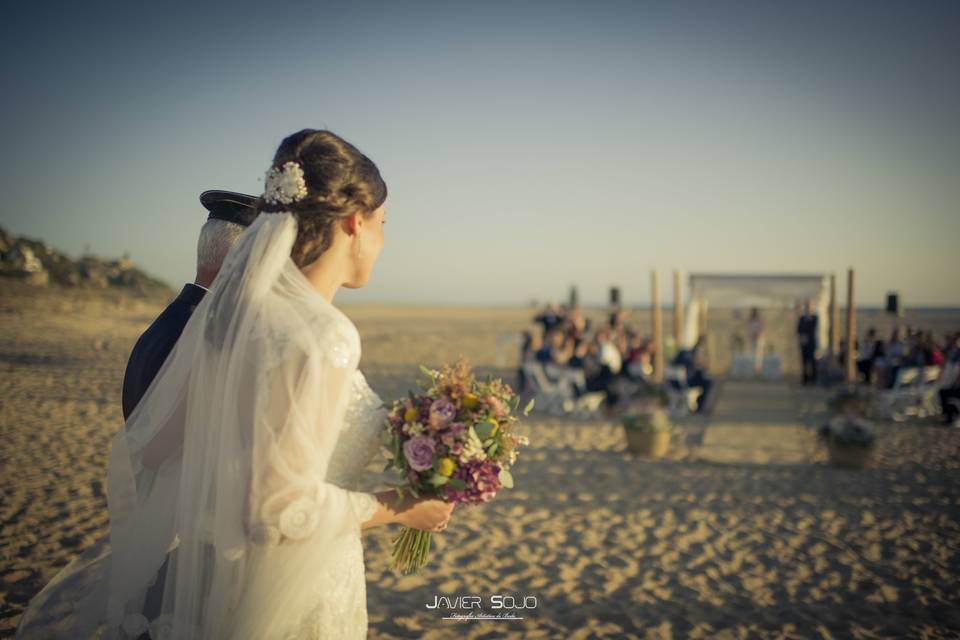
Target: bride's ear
(351,224)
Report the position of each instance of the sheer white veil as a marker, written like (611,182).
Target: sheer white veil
(223,465)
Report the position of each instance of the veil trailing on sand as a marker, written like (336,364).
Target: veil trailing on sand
(221,469)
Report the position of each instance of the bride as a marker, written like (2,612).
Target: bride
(234,511)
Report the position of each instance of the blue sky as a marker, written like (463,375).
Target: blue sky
(527,146)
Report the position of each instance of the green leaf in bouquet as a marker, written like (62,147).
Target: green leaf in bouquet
(438,480)
(483,430)
(506,479)
(413,490)
(386,438)
(457,483)
(493,449)
(428,372)
(527,409)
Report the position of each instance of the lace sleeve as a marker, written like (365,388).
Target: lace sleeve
(300,403)
(368,413)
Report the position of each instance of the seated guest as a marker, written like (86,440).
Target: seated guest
(865,361)
(916,350)
(950,389)
(691,360)
(550,317)
(896,352)
(556,348)
(952,352)
(581,348)
(610,355)
(639,360)
(528,351)
(555,357)
(932,354)
(881,366)
(575,325)
(609,363)
(621,340)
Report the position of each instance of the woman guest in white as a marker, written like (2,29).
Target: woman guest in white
(240,462)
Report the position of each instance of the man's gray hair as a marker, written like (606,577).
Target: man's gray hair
(216,238)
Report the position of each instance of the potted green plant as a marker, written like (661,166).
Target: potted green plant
(646,425)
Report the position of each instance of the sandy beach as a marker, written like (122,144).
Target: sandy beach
(608,544)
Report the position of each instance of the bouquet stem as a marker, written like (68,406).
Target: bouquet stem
(410,550)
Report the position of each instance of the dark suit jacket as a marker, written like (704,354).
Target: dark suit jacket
(155,345)
(807,332)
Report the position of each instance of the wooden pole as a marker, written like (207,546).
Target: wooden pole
(657,327)
(834,345)
(850,356)
(677,310)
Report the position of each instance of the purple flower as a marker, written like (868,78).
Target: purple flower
(481,479)
(441,413)
(419,452)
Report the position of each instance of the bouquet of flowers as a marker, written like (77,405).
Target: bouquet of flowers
(454,442)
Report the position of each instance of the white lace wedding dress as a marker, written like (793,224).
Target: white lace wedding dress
(246,455)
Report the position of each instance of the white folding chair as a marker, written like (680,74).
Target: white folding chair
(912,395)
(550,397)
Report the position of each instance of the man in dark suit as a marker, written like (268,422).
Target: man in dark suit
(692,361)
(807,336)
(230,213)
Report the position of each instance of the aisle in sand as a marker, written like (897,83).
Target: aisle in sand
(755,423)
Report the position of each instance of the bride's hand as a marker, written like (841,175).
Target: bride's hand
(426,514)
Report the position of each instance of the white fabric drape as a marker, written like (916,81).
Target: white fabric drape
(223,463)
(760,290)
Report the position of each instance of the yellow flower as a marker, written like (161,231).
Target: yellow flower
(470,400)
(446,466)
(409,414)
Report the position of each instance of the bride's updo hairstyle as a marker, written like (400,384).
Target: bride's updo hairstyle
(340,181)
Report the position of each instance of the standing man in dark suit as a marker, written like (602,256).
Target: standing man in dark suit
(807,336)
(230,213)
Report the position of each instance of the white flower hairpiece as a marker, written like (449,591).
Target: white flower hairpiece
(285,185)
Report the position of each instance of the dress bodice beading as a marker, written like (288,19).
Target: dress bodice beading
(359,436)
